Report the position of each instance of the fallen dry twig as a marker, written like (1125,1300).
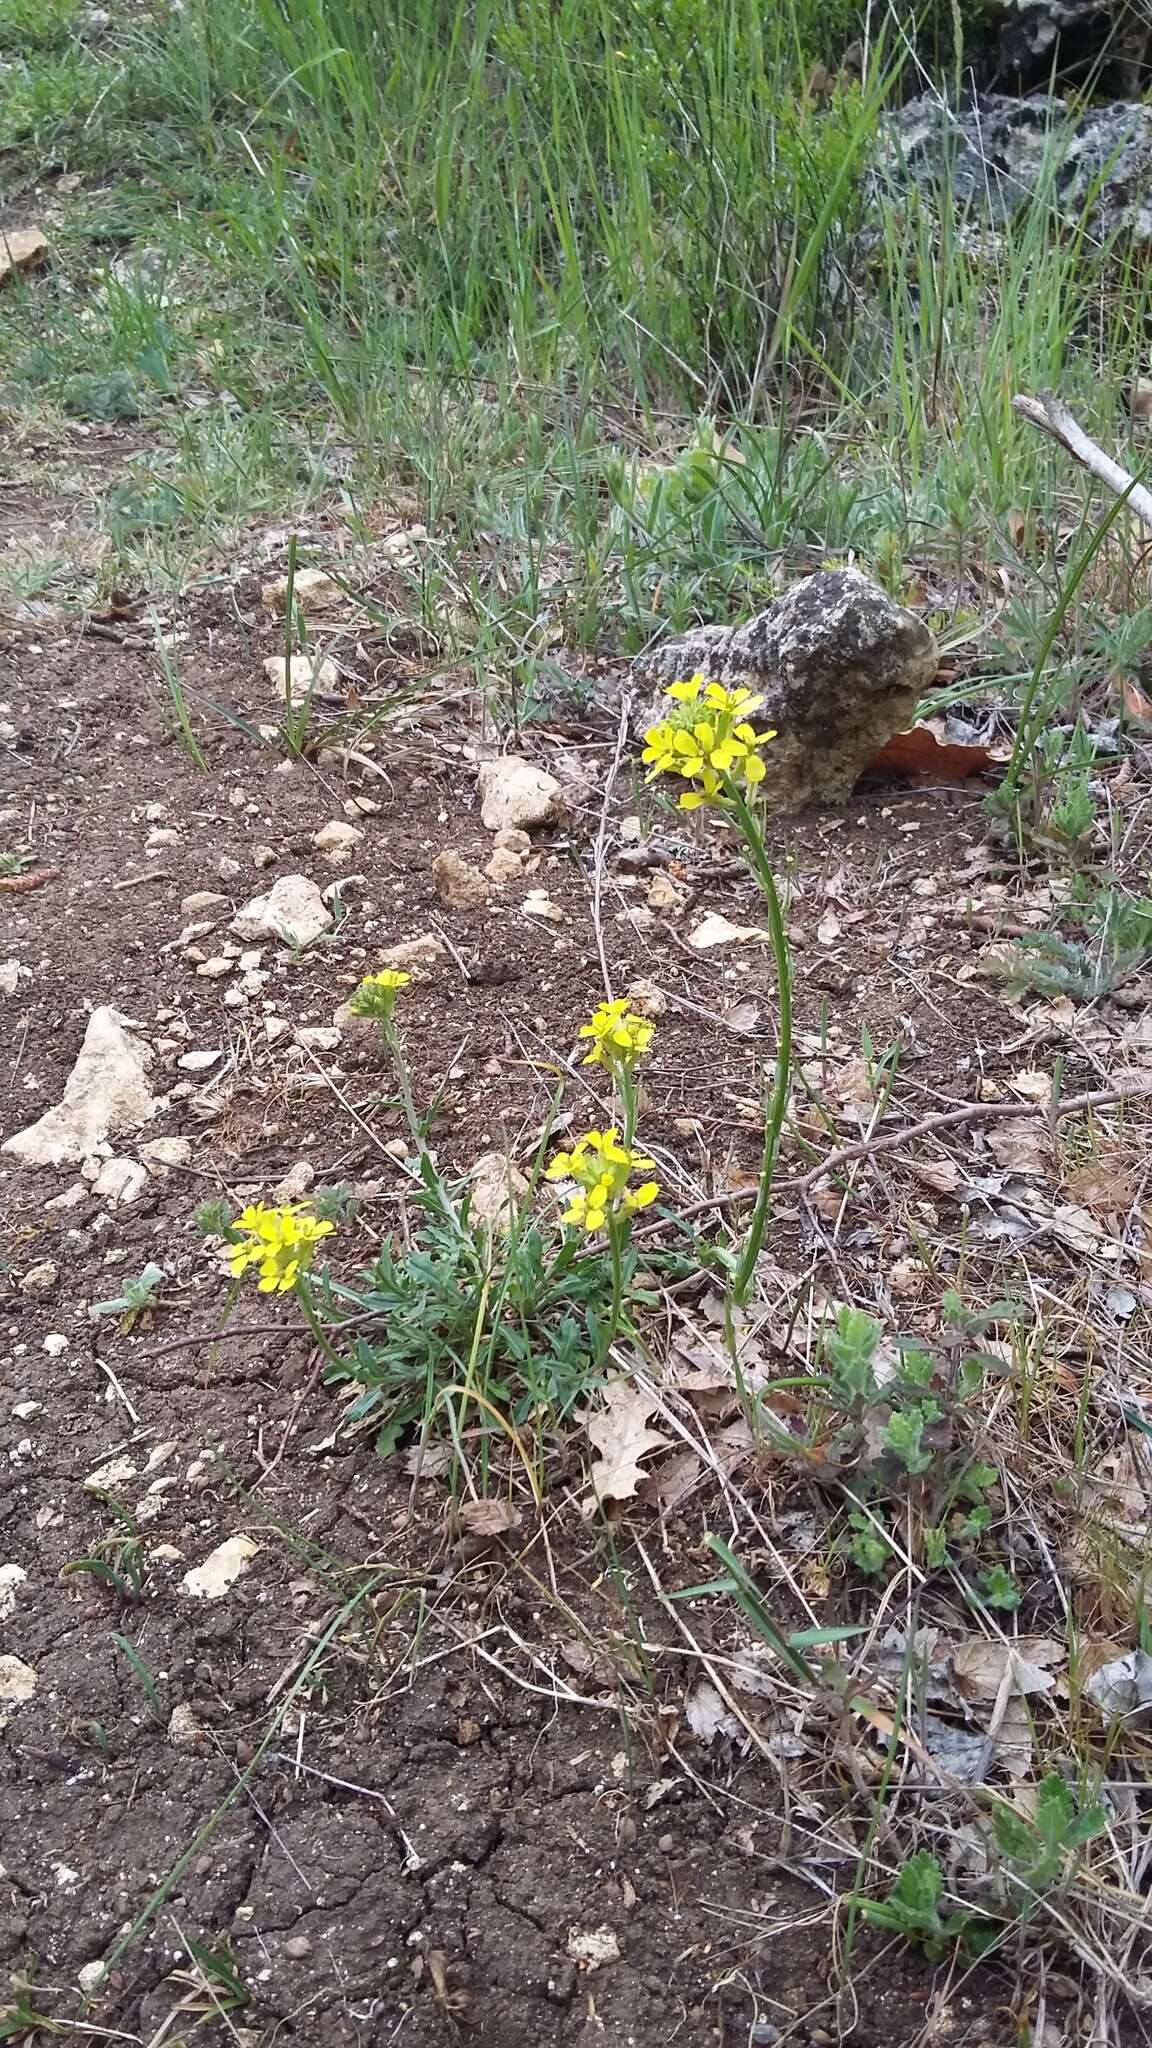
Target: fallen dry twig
(943,1120)
(1054,419)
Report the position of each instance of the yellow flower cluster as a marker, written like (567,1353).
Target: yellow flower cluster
(619,1037)
(601,1167)
(709,742)
(279,1241)
(377,993)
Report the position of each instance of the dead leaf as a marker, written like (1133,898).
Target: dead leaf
(619,1432)
(1033,1084)
(829,928)
(980,1664)
(1140,399)
(715,930)
(487,1518)
(1122,1687)
(943,1176)
(708,1716)
(1021,1145)
(925,751)
(743,1019)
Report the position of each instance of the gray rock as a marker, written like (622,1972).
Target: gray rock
(1100,43)
(994,154)
(839,665)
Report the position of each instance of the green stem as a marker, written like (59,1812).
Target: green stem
(616,1233)
(315,1326)
(778,1106)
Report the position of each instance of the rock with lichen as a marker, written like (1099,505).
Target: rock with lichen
(839,665)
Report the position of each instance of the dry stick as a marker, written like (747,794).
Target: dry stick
(867,1148)
(1054,419)
(602,840)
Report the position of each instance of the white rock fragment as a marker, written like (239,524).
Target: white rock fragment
(276,1028)
(161,836)
(90,1976)
(158,1154)
(312,590)
(497,1188)
(594,1947)
(117,1472)
(215,969)
(318,1037)
(9,977)
(458,885)
(120,1182)
(203,900)
(504,865)
(40,1279)
(419,957)
(184,1730)
(295,1184)
(336,841)
(715,930)
(293,912)
(538,903)
(307,673)
(18,1683)
(199,1062)
(514,793)
(106,1091)
(55,1344)
(12,1577)
(220,1569)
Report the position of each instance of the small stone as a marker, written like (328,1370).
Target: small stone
(538,903)
(21,249)
(184,1730)
(120,1182)
(220,1569)
(9,977)
(40,1279)
(12,1577)
(297,1946)
(459,886)
(70,1199)
(307,673)
(514,793)
(199,1062)
(716,930)
(666,1845)
(496,1191)
(663,893)
(202,900)
(397,1148)
(318,1037)
(510,839)
(295,1184)
(116,1473)
(647,998)
(264,856)
(336,841)
(312,591)
(90,1976)
(227,867)
(160,837)
(293,911)
(419,957)
(106,1091)
(504,865)
(158,1154)
(275,1028)
(215,970)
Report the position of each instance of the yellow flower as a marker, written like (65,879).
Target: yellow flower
(601,1168)
(619,1037)
(278,1241)
(710,741)
(377,993)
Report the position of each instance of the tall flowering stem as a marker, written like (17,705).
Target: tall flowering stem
(709,741)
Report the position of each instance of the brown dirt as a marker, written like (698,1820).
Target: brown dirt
(411,1857)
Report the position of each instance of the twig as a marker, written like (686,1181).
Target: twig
(862,1148)
(602,840)
(1054,419)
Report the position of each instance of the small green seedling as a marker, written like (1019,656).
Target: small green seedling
(14,863)
(912,1909)
(1038,1851)
(138,1294)
(118,1556)
(997,1588)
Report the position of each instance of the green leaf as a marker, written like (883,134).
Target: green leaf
(920,1883)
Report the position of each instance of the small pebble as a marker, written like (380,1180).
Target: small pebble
(297,1946)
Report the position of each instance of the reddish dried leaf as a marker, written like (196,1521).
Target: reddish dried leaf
(925,751)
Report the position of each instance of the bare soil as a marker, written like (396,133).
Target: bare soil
(452,1806)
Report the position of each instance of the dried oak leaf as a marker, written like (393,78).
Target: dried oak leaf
(619,1432)
(925,750)
(487,1517)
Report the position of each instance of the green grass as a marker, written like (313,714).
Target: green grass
(597,276)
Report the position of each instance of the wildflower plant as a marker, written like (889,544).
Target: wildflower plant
(278,1244)
(708,741)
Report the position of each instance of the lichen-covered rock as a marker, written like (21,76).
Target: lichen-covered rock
(1100,43)
(996,152)
(839,665)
